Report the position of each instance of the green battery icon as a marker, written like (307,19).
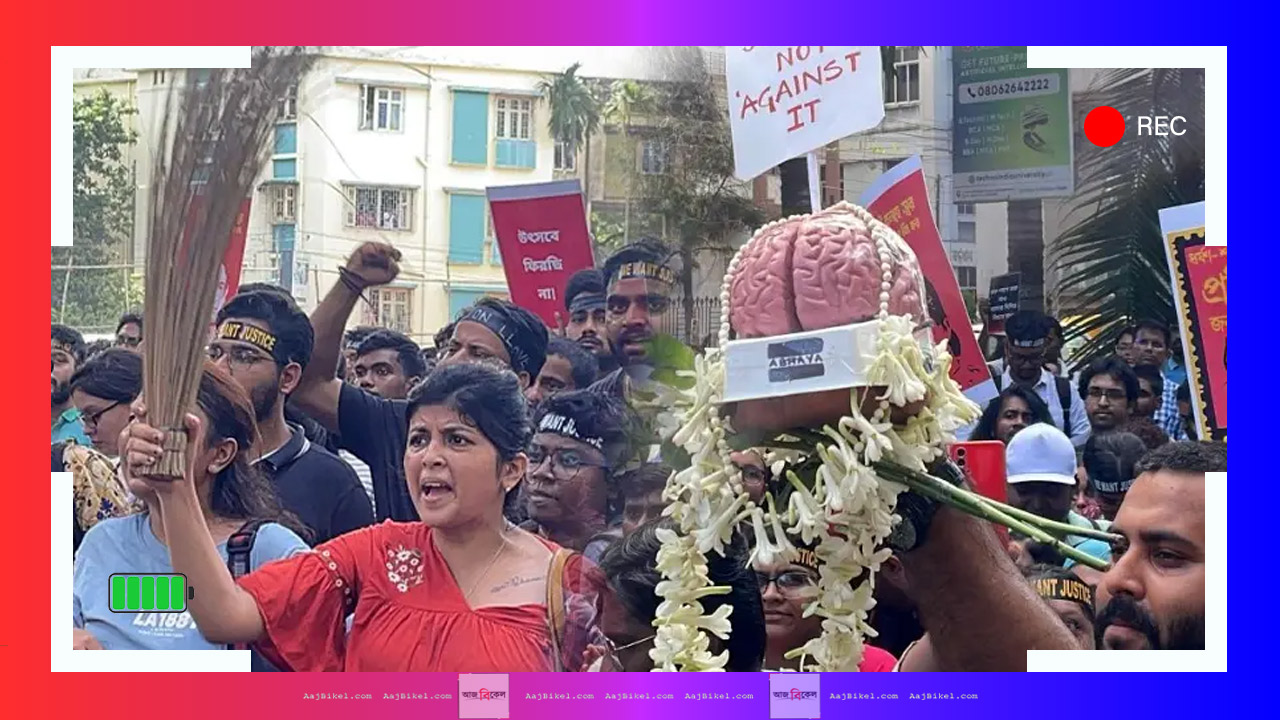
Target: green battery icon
(134,593)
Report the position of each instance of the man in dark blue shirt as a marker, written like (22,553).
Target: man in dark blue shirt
(265,341)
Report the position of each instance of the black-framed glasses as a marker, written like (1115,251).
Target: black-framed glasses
(237,356)
(91,420)
(1112,395)
(128,341)
(789,582)
(753,474)
(566,463)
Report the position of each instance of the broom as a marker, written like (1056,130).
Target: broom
(216,130)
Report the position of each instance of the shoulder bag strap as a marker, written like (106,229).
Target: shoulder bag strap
(239,552)
(555,605)
(1064,397)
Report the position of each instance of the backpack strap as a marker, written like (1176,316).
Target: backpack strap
(239,551)
(996,377)
(555,605)
(1064,397)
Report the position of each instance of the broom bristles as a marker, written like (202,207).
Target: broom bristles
(217,136)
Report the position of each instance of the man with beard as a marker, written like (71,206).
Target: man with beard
(1110,392)
(66,352)
(584,299)
(374,428)
(639,291)
(264,341)
(388,364)
(1150,391)
(1152,598)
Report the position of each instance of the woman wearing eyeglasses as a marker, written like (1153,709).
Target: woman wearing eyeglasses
(571,493)
(786,588)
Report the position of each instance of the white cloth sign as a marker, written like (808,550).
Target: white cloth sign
(786,101)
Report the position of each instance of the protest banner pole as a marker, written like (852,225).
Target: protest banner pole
(815,182)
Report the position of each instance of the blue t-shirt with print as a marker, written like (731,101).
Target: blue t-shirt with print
(127,545)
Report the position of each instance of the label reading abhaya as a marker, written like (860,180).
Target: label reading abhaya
(796,360)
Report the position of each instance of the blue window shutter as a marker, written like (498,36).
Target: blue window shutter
(466,229)
(471,127)
(284,169)
(286,139)
(460,300)
(282,237)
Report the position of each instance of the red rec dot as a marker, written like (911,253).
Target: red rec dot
(1104,126)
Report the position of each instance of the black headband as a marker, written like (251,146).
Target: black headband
(1052,588)
(648,271)
(568,427)
(507,332)
(587,301)
(1037,342)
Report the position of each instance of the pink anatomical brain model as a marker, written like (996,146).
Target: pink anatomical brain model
(818,271)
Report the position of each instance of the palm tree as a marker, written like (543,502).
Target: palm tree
(627,99)
(575,116)
(1112,258)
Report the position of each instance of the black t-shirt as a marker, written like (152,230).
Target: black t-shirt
(318,487)
(376,430)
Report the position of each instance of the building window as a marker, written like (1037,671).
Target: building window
(653,157)
(379,207)
(968,232)
(965,208)
(381,108)
(284,202)
(905,87)
(157,77)
(287,105)
(968,277)
(394,308)
(515,119)
(565,157)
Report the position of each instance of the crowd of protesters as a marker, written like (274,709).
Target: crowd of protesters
(491,503)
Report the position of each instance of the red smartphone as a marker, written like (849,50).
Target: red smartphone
(982,462)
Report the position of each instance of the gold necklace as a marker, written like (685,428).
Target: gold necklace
(502,535)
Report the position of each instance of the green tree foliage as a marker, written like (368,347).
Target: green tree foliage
(697,194)
(102,209)
(1112,258)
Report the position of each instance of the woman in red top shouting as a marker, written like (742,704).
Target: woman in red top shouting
(460,591)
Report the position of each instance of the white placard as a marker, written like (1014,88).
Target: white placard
(786,101)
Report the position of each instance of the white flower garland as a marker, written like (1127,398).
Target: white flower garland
(849,510)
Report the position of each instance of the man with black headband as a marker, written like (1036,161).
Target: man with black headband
(1027,338)
(264,341)
(571,493)
(66,352)
(639,285)
(584,299)
(372,428)
(1069,597)
(1152,598)
(496,330)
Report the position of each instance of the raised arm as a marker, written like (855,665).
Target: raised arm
(372,264)
(222,610)
(981,615)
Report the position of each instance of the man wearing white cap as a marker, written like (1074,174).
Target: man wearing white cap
(1041,464)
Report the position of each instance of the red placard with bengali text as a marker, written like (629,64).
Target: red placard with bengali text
(543,237)
(1200,292)
(900,199)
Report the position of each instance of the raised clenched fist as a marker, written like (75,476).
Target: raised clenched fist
(374,264)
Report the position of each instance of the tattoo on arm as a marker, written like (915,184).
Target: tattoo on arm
(514,582)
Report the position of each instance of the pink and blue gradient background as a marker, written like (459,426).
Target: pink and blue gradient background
(32,691)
